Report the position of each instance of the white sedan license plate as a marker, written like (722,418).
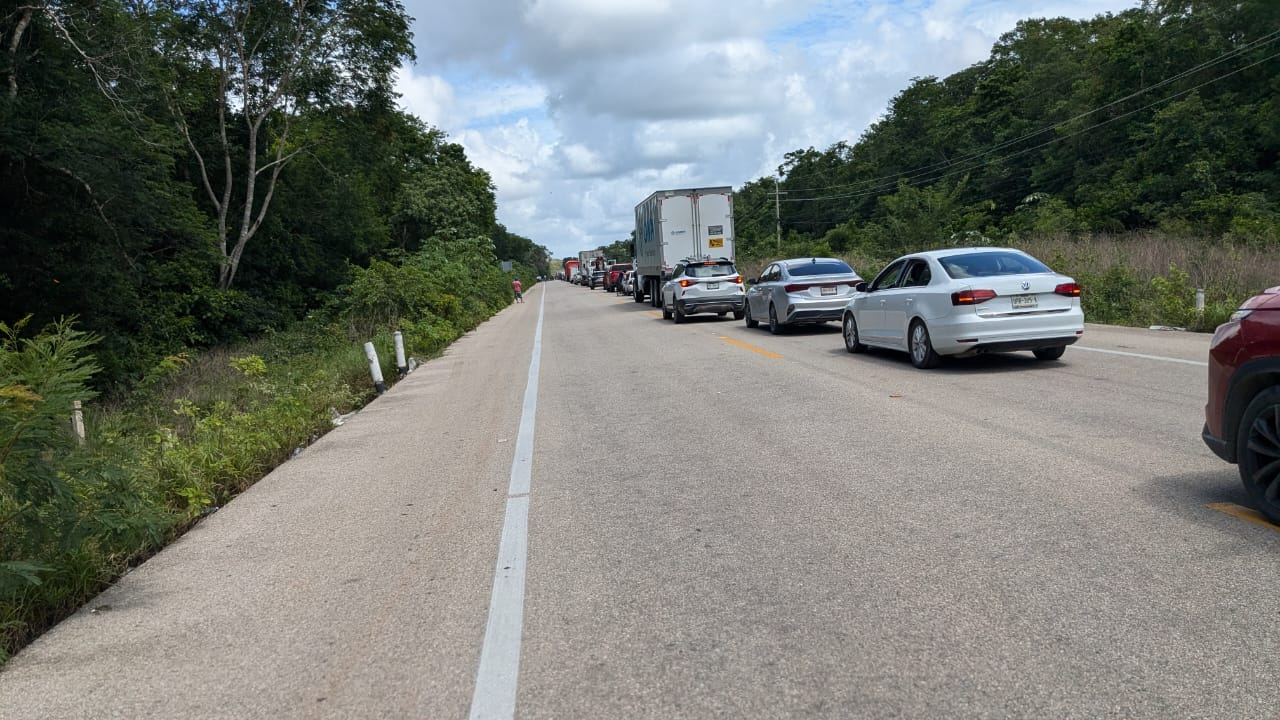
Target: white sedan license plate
(1023,302)
(713,286)
(828,291)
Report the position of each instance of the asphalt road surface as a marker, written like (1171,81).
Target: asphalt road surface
(710,522)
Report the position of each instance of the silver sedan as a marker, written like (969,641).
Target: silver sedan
(962,302)
(800,290)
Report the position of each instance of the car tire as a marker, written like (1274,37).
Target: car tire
(746,314)
(655,293)
(676,314)
(737,314)
(666,313)
(1049,353)
(920,346)
(849,328)
(639,293)
(774,326)
(1258,450)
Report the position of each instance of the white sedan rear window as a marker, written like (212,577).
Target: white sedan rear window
(990,264)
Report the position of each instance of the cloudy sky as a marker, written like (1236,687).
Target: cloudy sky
(579,109)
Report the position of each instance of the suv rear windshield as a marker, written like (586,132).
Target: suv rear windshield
(990,264)
(712,270)
(828,267)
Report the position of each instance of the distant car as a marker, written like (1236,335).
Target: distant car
(1242,415)
(597,278)
(800,290)
(962,302)
(614,275)
(707,286)
(626,284)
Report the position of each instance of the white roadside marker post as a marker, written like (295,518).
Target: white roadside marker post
(401,365)
(374,368)
(77,421)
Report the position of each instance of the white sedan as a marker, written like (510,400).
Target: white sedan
(963,302)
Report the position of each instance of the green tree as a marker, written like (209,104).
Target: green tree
(244,73)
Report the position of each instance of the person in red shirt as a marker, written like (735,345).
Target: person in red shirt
(515,285)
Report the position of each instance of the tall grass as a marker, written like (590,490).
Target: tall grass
(198,429)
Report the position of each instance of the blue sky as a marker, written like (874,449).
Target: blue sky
(579,109)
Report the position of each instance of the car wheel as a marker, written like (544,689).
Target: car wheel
(851,340)
(774,326)
(676,313)
(639,293)
(737,314)
(1258,452)
(922,353)
(655,294)
(666,313)
(746,313)
(1049,353)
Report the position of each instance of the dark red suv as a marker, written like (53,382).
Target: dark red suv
(1242,417)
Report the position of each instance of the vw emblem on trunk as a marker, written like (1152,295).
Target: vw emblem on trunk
(1026,285)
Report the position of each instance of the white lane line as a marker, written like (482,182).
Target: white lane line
(494,697)
(1140,355)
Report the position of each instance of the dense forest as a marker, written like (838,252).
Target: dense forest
(185,174)
(207,207)
(1164,118)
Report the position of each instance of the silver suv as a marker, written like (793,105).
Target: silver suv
(703,286)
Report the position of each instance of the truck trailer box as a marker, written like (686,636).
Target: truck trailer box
(674,225)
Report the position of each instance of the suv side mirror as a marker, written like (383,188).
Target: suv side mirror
(861,286)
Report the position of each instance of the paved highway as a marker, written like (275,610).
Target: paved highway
(710,522)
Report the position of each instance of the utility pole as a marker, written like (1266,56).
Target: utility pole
(777,212)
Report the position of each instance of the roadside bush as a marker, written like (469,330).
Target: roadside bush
(197,430)
(70,518)
(1173,299)
(1112,297)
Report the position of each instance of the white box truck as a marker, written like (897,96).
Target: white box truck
(589,260)
(674,225)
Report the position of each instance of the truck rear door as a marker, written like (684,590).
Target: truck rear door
(679,231)
(715,225)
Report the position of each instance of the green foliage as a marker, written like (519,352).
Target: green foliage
(1110,298)
(1173,301)
(1159,117)
(72,517)
(59,503)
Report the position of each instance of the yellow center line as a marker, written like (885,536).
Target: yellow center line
(654,313)
(752,348)
(1244,513)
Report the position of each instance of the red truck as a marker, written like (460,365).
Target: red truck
(614,276)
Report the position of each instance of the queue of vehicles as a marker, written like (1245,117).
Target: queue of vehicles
(953,302)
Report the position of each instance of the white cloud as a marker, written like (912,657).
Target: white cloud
(579,109)
(430,97)
(582,160)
